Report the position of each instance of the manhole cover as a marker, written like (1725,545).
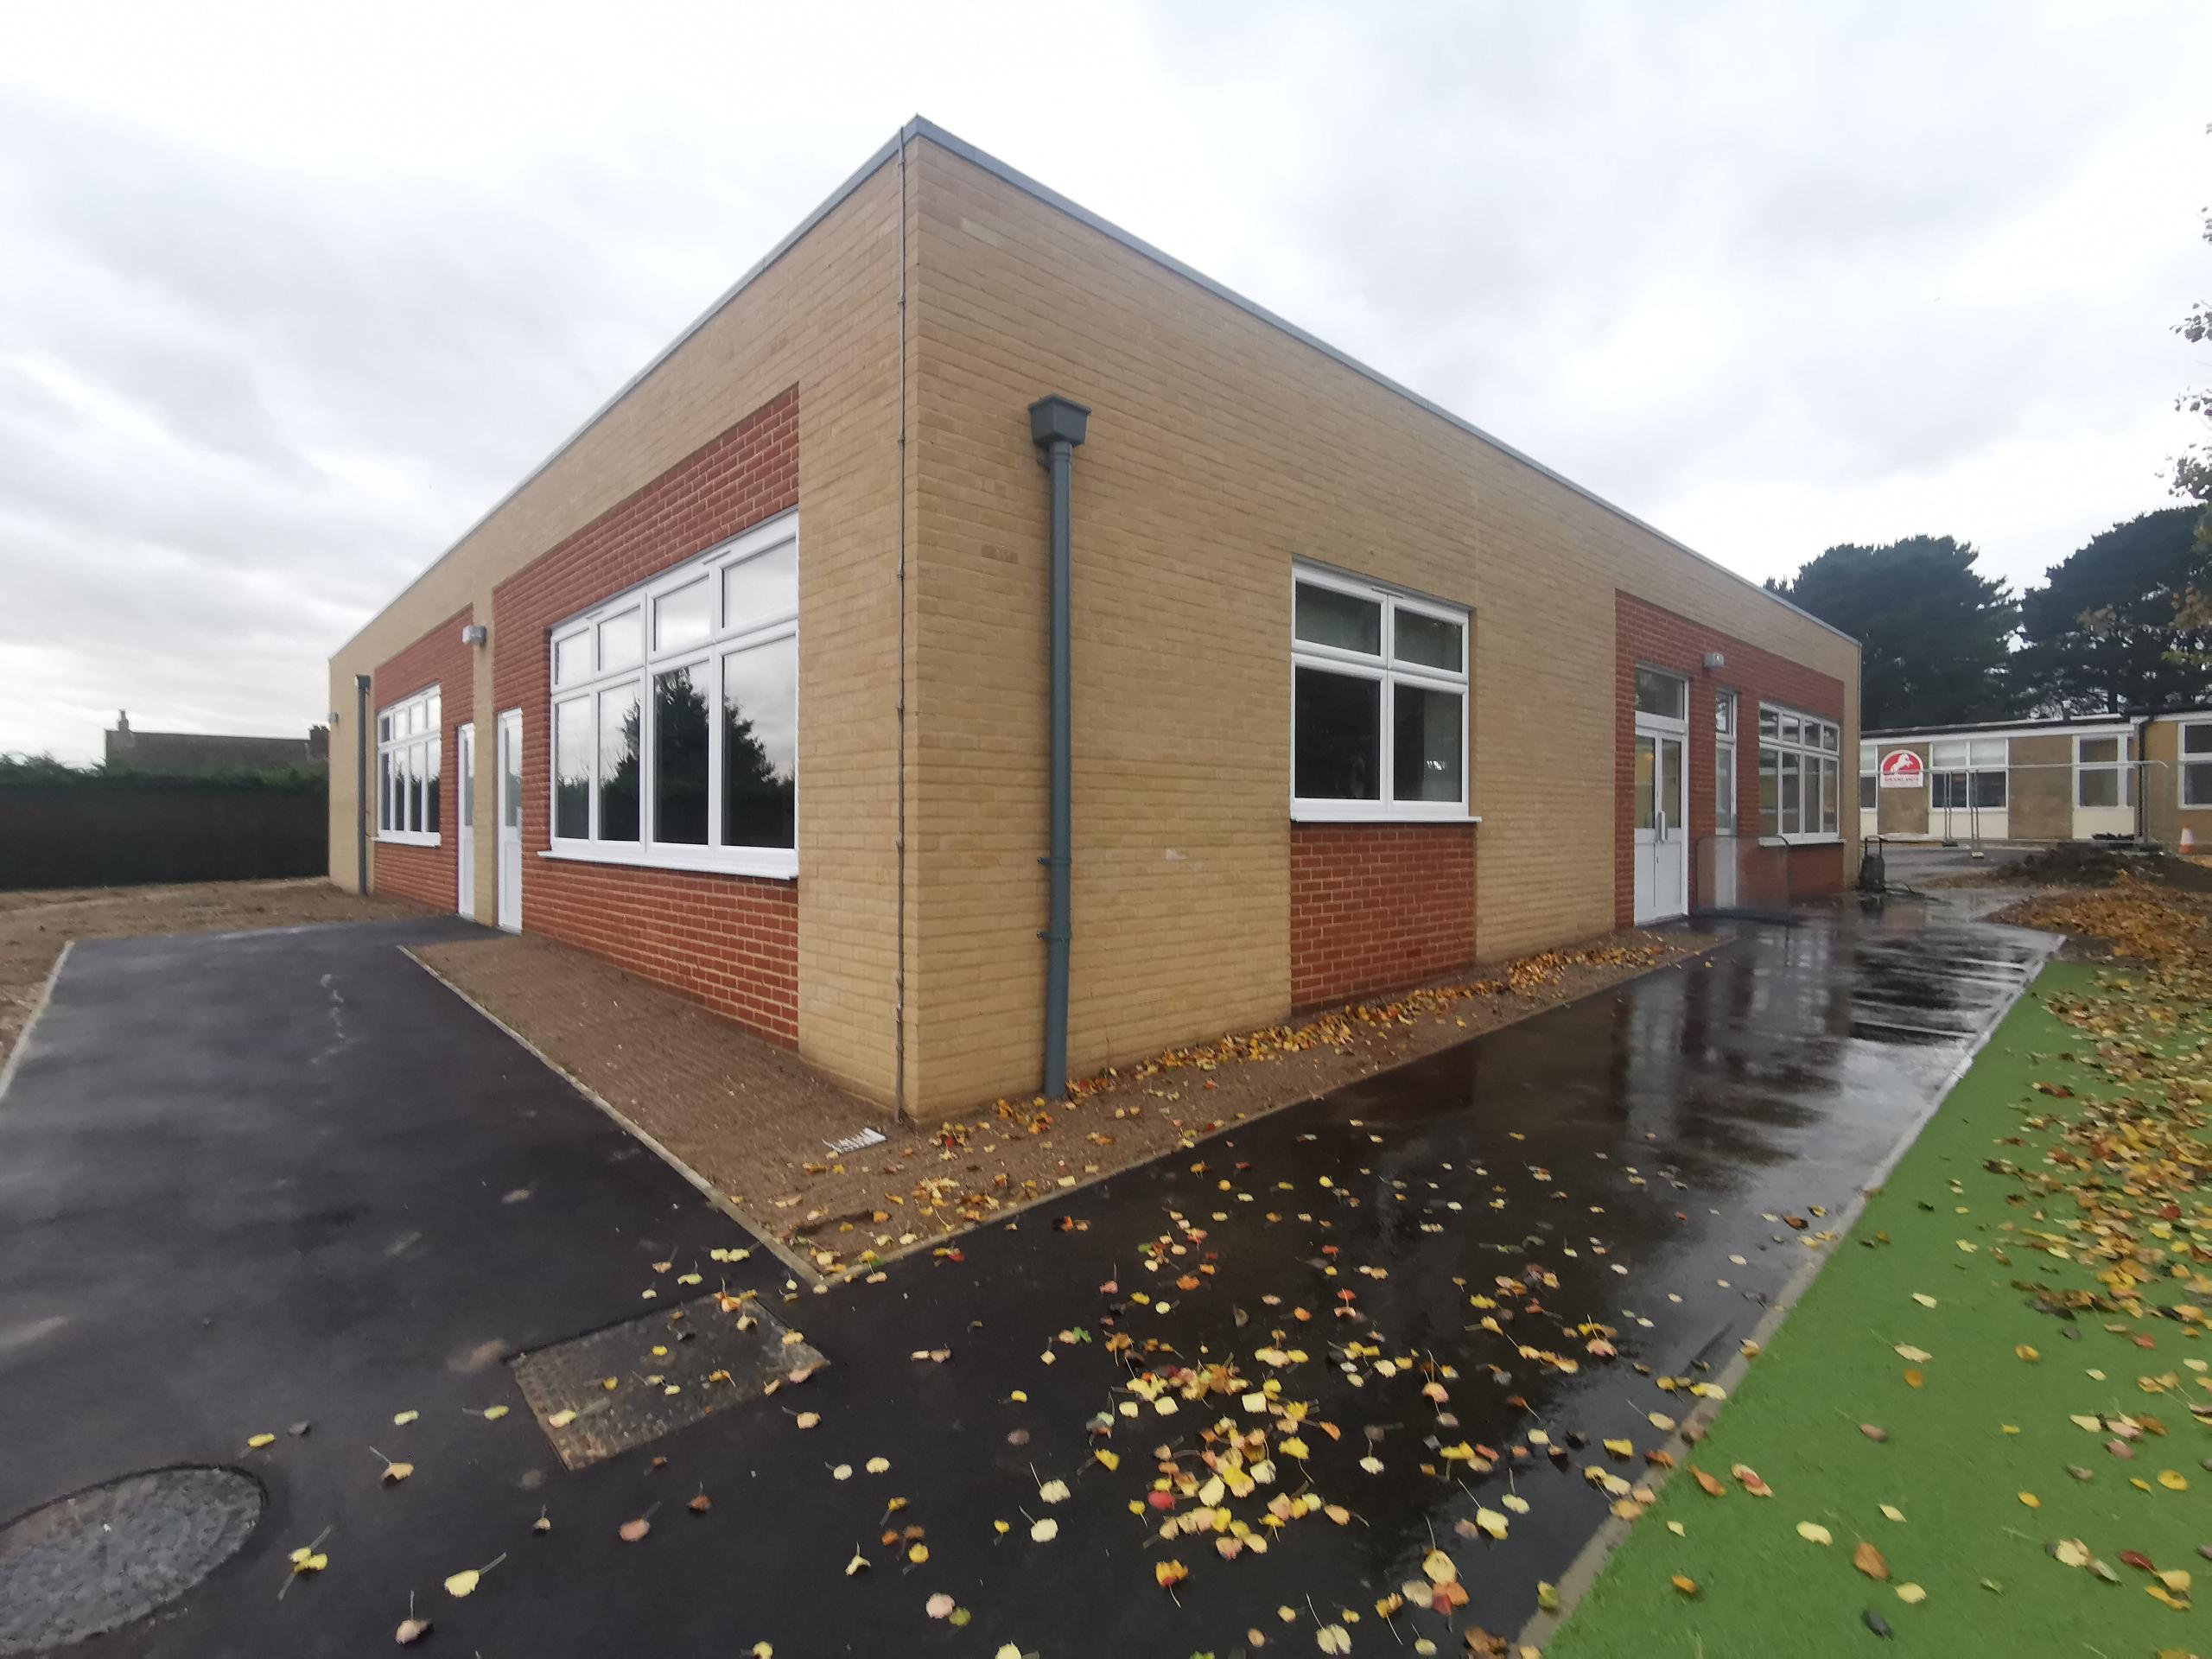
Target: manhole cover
(105,1556)
(668,1370)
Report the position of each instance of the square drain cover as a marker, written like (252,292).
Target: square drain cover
(705,1364)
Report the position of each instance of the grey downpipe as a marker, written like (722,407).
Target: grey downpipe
(1056,425)
(361,783)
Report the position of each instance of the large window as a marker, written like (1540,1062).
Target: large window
(2104,771)
(1798,770)
(675,716)
(1724,763)
(1967,774)
(2196,763)
(1378,703)
(407,770)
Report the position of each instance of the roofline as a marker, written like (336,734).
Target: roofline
(2046,724)
(921,127)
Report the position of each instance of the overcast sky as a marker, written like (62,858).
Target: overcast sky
(289,295)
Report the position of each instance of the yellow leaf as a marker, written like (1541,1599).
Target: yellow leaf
(405,1418)
(1623,1449)
(2027,1353)
(877,1466)
(2031,1500)
(492,1413)
(1111,1459)
(1688,1586)
(260,1440)
(1490,1522)
(1814,1532)
(2173,1480)
(1923,1299)
(1438,1567)
(1911,1594)
(918,1553)
(561,1418)
(1906,1351)
(1044,1531)
(464,1582)
(1892,1512)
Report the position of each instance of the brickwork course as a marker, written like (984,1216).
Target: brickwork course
(876,373)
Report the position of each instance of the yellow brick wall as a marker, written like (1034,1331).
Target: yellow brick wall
(2164,816)
(1220,449)
(823,317)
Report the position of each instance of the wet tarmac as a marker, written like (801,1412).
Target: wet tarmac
(206,1196)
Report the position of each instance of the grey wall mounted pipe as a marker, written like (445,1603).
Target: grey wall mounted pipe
(360,783)
(1056,425)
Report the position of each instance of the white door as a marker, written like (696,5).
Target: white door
(510,820)
(464,743)
(1662,850)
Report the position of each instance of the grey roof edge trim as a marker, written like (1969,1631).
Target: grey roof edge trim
(921,127)
(960,147)
(829,204)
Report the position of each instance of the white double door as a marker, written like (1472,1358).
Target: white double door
(1662,853)
(510,803)
(465,762)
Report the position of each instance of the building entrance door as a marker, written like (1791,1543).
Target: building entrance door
(510,820)
(465,763)
(1662,849)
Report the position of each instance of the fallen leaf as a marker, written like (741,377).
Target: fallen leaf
(1911,1594)
(1906,1351)
(631,1531)
(1923,1299)
(412,1631)
(1813,1532)
(561,1418)
(396,1473)
(1713,1488)
(939,1605)
(1916,1379)
(1868,1559)
(700,1504)
(1168,1574)
(260,1440)
(2027,1353)
(2173,1480)
(2031,1500)
(1053,1491)
(1892,1512)
(1688,1586)
(1873,1432)
(877,1466)
(405,1418)
(1044,1531)
(858,1565)
(1333,1638)
(807,1419)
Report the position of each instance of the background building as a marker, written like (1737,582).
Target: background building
(749,687)
(191,753)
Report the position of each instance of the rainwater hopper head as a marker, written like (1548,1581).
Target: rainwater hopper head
(1057,420)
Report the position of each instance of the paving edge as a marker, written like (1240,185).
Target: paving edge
(1582,1573)
(38,1007)
(799,1266)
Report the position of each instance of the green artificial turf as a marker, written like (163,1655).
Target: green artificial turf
(1949,1464)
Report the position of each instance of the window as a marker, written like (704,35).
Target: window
(1870,776)
(1724,763)
(1378,701)
(2196,763)
(1967,774)
(675,716)
(1798,771)
(2104,771)
(407,770)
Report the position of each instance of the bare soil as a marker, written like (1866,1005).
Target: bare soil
(34,925)
(753,1122)
(2088,864)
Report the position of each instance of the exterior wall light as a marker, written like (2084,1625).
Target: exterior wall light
(1713,659)
(474,634)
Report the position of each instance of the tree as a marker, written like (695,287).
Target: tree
(1935,635)
(2104,633)
(2193,466)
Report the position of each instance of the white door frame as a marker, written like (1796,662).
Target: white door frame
(464,743)
(1662,849)
(510,806)
(1725,798)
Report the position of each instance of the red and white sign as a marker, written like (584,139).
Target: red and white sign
(1901,769)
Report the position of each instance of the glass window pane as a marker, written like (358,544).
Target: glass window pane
(762,588)
(1948,754)
(1647,760)
(1791,767)
(1769,722)
(1792,731)
(1724,790)
(1870,787)
(1831,738)
(572,658)
(2099,751)
(1661,694)
(1724,712)
(511,782)
(2100,787)
(430,787)
(1827,797)
(617,764)
(684,617)
(384,728)
(414,753)
(1991,751)
(438,711)
(1426,640)
(465,786)
(383,791)
(680,726)
(572,769)
(761,746)
(622,639)
(1770,790)
(1989,789)
(1425,744)
(1339,722)
(1869,757)
(1325,617)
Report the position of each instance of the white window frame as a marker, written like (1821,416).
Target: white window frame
(2181,763)
(2124,768)
(408,733)
(1386,668)
(1814,737)
(1952,758)
(725,637)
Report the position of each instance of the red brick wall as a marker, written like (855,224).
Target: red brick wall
(1646,636)
(431,874)
(1378,906)
(729,941)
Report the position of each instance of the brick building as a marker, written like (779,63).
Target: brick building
(2148,776)
(750,688)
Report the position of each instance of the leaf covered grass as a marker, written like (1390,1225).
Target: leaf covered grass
(2079,1130)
